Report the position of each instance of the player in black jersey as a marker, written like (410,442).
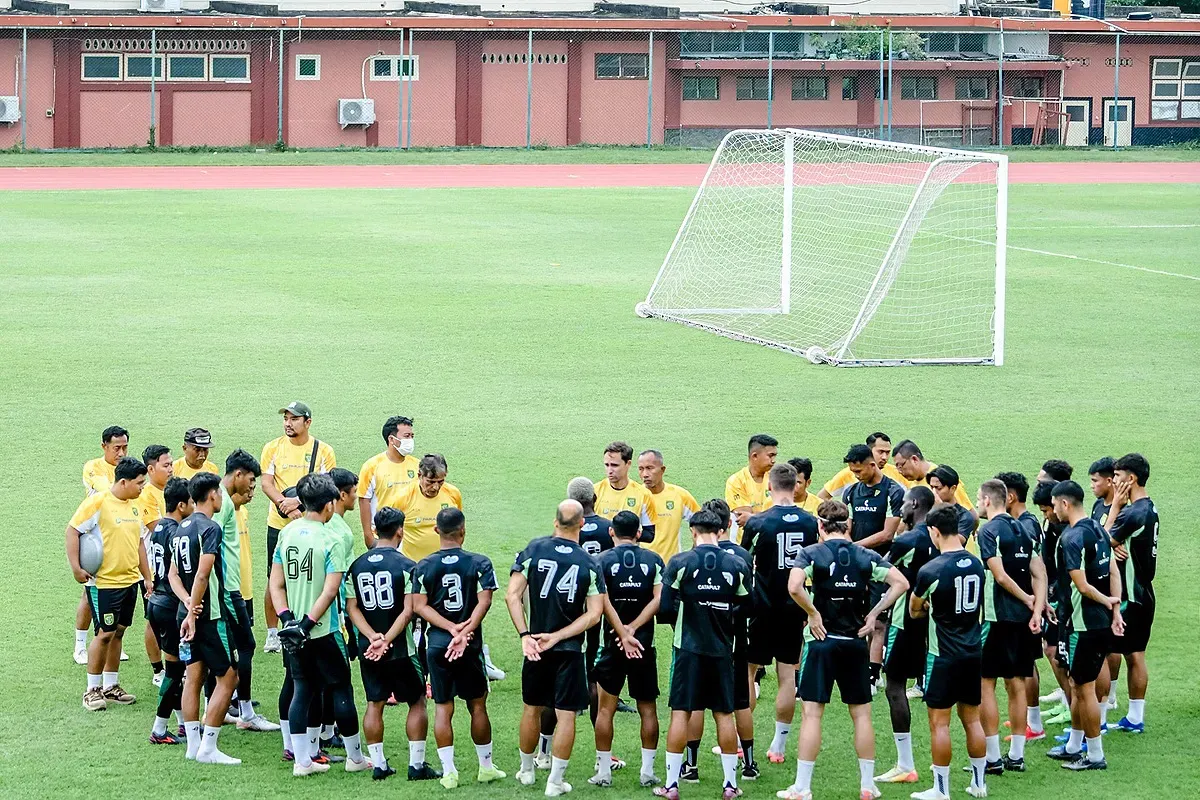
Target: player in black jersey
(906,646)
(595,536)
(633,577)
(1089,598)
(840,614)
(1133,530)
(454,590)
(565,587)
(949,590)
(1100,473)
(943,480)
(379,604)
(1052,529)
(702,590)
(774,538)
(1014,600)
(197,564)
(162,607)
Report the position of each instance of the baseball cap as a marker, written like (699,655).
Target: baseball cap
(198,437)
(297,408)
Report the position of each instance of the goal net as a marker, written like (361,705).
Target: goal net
(849,251)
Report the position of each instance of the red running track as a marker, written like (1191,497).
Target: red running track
(501,176)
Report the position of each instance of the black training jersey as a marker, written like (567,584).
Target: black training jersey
(1084,546)
(774,538)
(841,573)
(380,578)
(702,590)
(561,577)
(1136,527)
(158,552)
(909,552)
(1051,534)
(596,535)
(196,536)
(870,507)
(1100,511)
(1004,538)
(741,617)
(966,521)
(451,581)
(952,584)
(1029,523)
(630,575)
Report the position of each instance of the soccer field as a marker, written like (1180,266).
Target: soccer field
(502,320)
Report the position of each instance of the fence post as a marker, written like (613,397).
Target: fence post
(529,93)
(1117,92)
(1000,88)
(880,85)
(153,74)
(23,102)
(400,88)
(650,94)
(412,68)
(279,99)
(770,75)
(889,85)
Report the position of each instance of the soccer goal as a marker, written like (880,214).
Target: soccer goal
(849,251)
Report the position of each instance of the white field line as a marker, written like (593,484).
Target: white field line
(1106,263)
(1106,227)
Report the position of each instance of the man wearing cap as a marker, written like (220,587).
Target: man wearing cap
(196,444)
(284,462)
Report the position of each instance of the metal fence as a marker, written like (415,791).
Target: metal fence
(419,87)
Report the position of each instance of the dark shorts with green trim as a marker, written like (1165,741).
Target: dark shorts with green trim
(612,670)
(846,662)
(400,677)
(776,635)
(557,680)
(212,647)
(164,621)
(906,648)
(112,607)
(1086,653)
(741,679)
(465,677)
(321,662)
(1009,650)
(703,683)
(1139,619)
(950,681)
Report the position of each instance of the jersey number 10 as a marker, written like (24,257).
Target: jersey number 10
(966,594)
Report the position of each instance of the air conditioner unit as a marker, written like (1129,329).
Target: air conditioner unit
(360,111)
(162,6)
(10,109)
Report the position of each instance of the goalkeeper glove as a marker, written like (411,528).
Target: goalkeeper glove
(293,634)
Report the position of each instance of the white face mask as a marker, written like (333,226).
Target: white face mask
(406,447)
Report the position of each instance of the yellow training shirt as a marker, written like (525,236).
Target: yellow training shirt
(634,498)
(183,470)
(287,463)
(420,516)
(811,503)
(741,490)
(119,523)
(98,476)
(241,517)
(960,494)
(673,505)
(382,482)
(845,477)
(154,505)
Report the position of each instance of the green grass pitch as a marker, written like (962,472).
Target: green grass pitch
(502,320)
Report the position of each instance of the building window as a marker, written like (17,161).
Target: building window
(308,68)
(972,88)
(231,69)
(956,43)
(187,68)
(789,43)
(1174,89)
(701,88)
(806,87)
(918,88)
(887,91)
(734,45)
(849,88)
(752,87)
(628,66)
(1024,86)
(757,42)
(137,68)
(394,68)
(101,67)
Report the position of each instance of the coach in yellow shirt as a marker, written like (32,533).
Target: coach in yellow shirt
(881,448)
(386,477)
(617,493)
(801,497)
(673,505)
(746,491)
(159,470)
(421,503)
(116,515)
(98,473)
(284,462)
(196,444)
(915,470)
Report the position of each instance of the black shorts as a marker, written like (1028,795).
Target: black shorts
(741,681)
(112,607)
(878,590)
(557,680)
(776,636)
(1009,650)
(241,624)
(1049,633)
(164,621)
(702,683)
(1086,653)
(396,676)
(845,662)
(906,648)
(272,540)
(1139,619)
(953,680)
(465,677)
(612,670)
(321,662)
(212,646)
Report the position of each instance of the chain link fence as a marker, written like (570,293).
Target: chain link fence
(421,87)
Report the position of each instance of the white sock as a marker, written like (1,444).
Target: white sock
(993,747)
(416,754)
(1016,747)
(300,749)
(941,780)
(674,767)
(866,773)
(160,726)
(286,730)
(272,632)
(80,639)
(558,769)
(1103,714)
(526,761)
(804,771)
(544,743)
(93,681)
(487,655)
(1112,693)
(1074,740)
(1137,711)
(484,753)
(904,754)
(1095,749)
(110,680)
(1033,718)
(378,759)
(353,747)
(446,756)
(604,763)
(312,741)
(779,742)
(327,731)
(246,708)
(179,716)
(648,757)
(729,767)
(208,743)
(192,730)
(978,771)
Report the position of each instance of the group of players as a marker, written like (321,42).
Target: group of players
(882,571)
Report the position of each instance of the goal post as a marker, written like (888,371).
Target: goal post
(850,251)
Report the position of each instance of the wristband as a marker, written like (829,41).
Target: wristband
(285,616)
(307,624)
(526,633)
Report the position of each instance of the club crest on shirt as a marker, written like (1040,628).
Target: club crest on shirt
(445,505)
(109,619)
(412,474)
(670,505)
(629,501)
